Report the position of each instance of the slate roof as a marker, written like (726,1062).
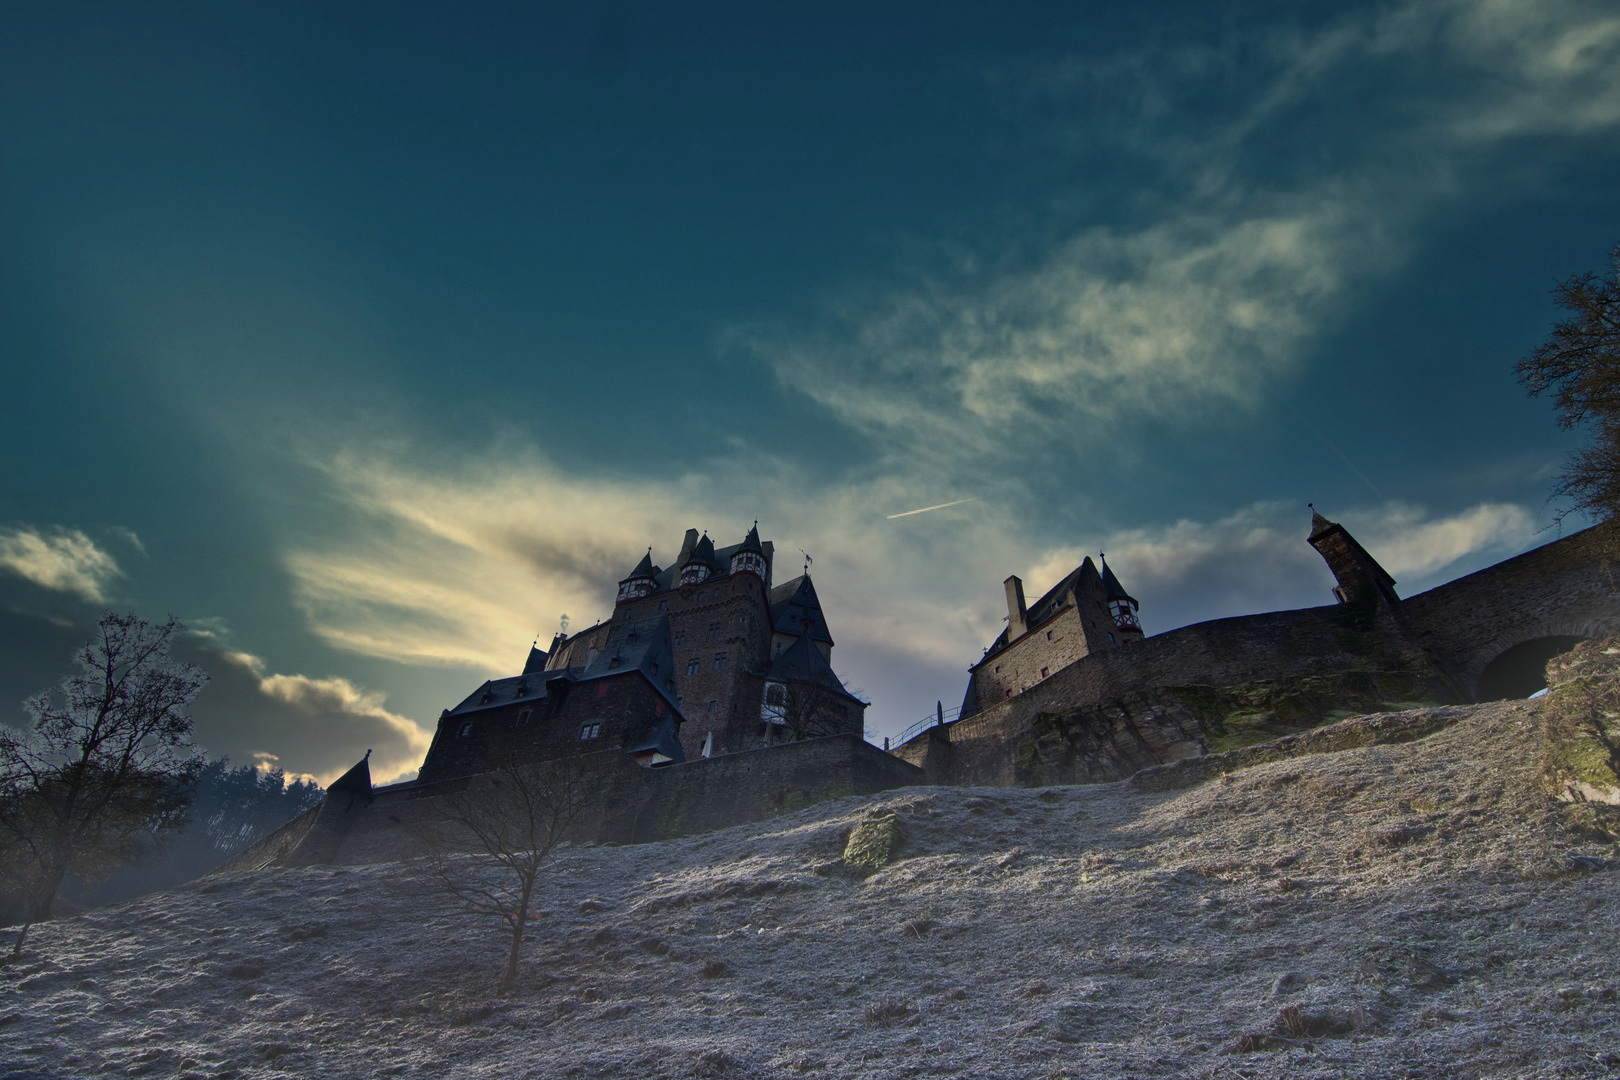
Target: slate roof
(802,662)
(704,554)
(356,779)
(535,662)
(639,645)
(661,737)
(717,559)
(528,687)
(1112,589)
(644,568)
(796,610)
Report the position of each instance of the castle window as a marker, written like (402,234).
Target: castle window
(720,661)
(523,716)
(714,707)
(776,694)
(998,668)
(1111,637)
(589,732)
(663,605)
(692,666)
(466,729)
(1009,691)
(601,689)
(1045,672)
(714,631)
(1049,635)
(680,637)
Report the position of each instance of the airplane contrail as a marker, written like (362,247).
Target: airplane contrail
(941,506)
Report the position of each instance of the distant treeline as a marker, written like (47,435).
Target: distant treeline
(234,807)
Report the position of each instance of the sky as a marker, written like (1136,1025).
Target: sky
(371,340)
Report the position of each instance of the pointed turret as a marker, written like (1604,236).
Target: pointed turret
(700,564)
(750,557)
(535,662)
(1121,604)
(1360,577)
(642,580)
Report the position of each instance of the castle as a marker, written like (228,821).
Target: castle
(711,691)
(698,660)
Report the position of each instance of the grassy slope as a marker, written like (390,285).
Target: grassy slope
(1411,893)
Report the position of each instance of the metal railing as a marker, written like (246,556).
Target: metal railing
(931,720)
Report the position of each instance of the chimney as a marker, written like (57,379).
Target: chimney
(1015,609)
(686,547)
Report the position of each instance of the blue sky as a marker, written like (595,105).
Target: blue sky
(372,339)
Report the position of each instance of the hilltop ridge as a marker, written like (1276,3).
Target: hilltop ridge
(1399,908)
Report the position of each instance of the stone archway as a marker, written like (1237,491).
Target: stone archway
(1520,671)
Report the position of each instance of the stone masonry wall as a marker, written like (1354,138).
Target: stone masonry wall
(1571,586)
(632,804)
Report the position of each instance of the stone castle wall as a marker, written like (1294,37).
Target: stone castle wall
(1118,710)
(631,804)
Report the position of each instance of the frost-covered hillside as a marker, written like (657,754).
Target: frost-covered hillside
(1397,910)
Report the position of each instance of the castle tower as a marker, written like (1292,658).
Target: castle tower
(700,564)
(641,582)
(750,557)
(1121,605)
(1361,579)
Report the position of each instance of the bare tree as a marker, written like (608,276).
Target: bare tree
(1581,364)
(107,771)
(801,710)
(485,844)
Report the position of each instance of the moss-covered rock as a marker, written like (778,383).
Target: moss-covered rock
(1580,762)
(874,842)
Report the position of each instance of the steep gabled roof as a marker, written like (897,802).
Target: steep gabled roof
(796,610)
(802,662)
(535,662)
(642,645)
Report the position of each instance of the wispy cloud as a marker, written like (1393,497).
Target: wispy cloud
(311,727)
(461,568)
(986,356)
(65,560)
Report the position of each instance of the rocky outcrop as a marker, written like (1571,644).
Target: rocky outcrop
(1581,753)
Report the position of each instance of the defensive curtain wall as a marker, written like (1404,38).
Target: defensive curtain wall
(1211,686)
(1220,684)
(360,824)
